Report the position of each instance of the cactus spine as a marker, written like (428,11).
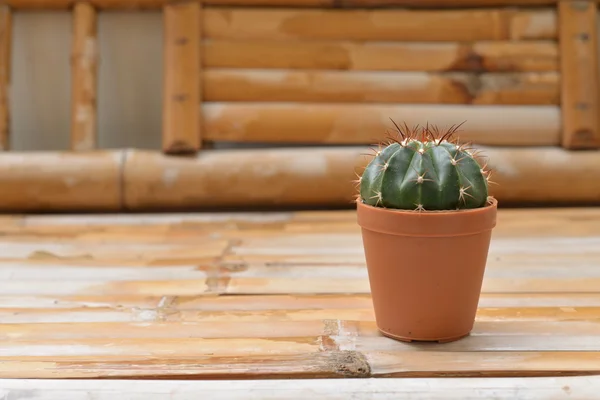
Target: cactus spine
(433,172)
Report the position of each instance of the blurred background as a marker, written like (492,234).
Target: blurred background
(298,89)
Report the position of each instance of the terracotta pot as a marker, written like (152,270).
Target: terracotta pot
(426,269)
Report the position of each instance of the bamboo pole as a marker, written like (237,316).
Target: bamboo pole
(84,78)
(380,25)
(579,72)
(5,57)
(181,100)
(157,4)
(224,85)
(304,177)
(367,123)
(318,176)
(57,181)
(496,56)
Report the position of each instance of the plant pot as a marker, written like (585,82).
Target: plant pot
(426,269)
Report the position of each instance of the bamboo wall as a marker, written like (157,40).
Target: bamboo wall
(272,102)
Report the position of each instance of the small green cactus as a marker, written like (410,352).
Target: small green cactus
(433,172)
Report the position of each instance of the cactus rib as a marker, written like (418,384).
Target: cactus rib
(430,172)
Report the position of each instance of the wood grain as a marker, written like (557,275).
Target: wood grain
(105,296)
(317,123)
(579,71)
(496,56)
(84,62)
(5,60)
(225,85)
(557,388)
(181,98)
(380,25)
(155,4)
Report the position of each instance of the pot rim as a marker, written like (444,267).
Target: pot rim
(433,223)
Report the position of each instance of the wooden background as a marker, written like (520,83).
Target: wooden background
(146,105)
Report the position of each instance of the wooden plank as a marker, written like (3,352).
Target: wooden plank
(579,71)
(84,61)
(61,181)
(558,321)
(173,228)
(359,123)
(380,25)
(281,359)
(225,85)
(5,60)
(383,3)
(285,177)
(557,388)
(494,307)
(490,328)
(496,56)
(181,99)
(156,4)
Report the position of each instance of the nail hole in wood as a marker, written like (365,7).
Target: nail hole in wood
(584,36)
(584,135)
(181,41)
(180,97)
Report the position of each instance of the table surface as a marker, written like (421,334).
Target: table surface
(269,296)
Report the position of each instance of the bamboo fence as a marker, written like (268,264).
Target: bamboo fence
(320,78)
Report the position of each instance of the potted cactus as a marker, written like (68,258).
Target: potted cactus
(426,220)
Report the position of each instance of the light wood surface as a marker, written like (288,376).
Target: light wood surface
(5,60)
(532,88)
(280,295)
(181,98)
(360,123)
(380,25)
(579,71)
(555,388)
(498,56)
(84,70)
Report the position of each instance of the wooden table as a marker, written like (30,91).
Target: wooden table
(279,304)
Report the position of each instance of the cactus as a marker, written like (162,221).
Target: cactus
(433,172)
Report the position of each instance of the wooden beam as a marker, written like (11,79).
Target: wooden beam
(57,181)
(579,73)
(157,4)
(181,99)
(380,25)
(382,3)
(5,60)
(323,177)
(318,123)
(529,88)
(84,78)
(495,56)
